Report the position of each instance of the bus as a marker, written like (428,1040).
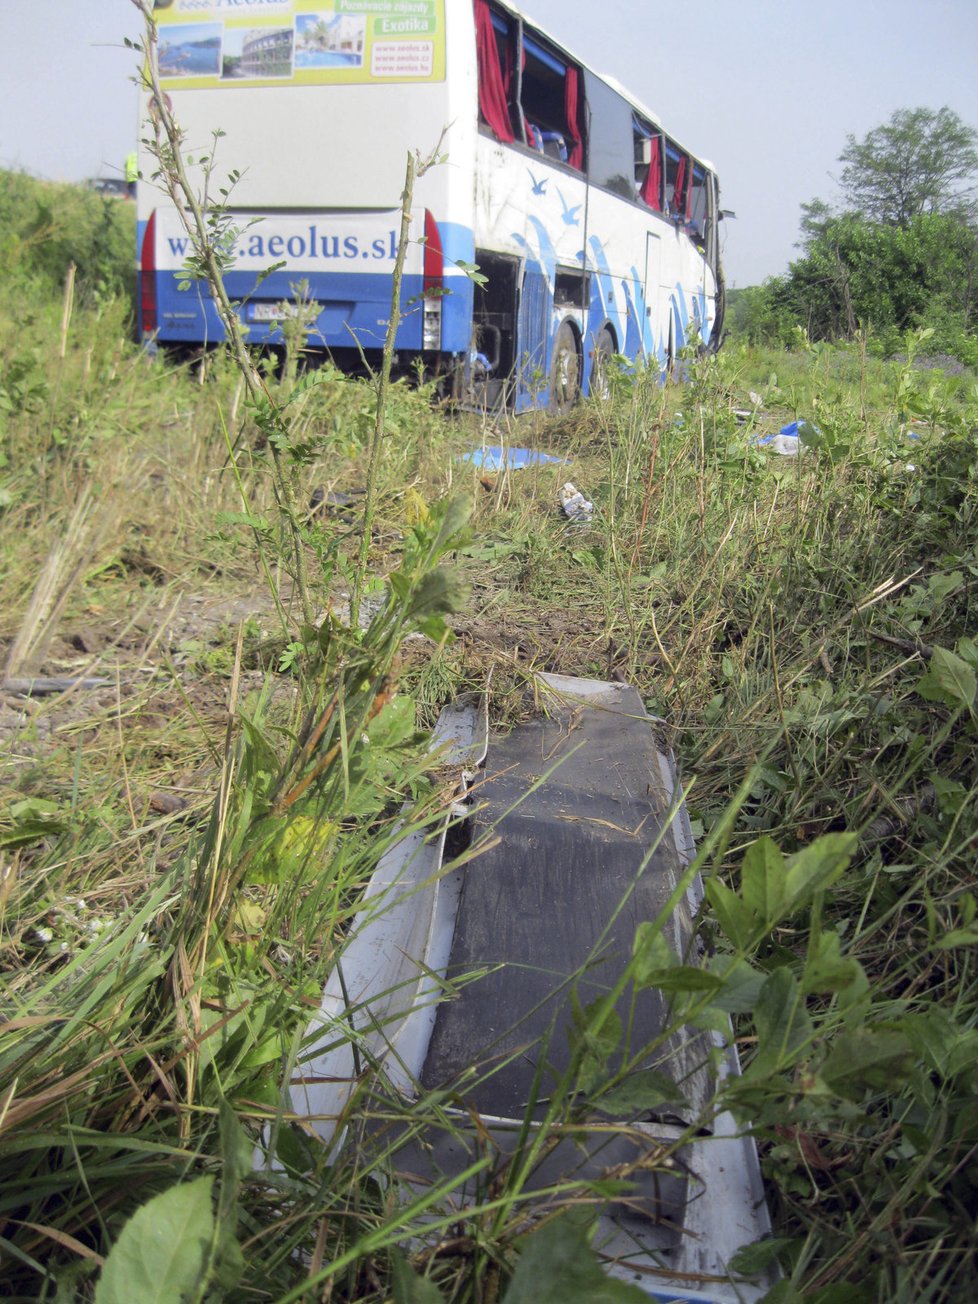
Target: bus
(594,232)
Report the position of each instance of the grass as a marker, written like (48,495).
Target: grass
(183,847)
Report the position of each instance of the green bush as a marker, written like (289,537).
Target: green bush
(45,226)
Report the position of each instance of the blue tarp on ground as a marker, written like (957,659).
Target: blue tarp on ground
(794,430)
(513,459)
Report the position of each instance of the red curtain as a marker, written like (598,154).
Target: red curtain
(652,185)
(493,88)
(679,196)
(575,153)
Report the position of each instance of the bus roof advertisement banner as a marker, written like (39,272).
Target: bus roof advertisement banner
(208,44)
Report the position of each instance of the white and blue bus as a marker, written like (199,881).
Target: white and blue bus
(595,230)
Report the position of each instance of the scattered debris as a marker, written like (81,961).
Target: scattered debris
(574,505)
(331,502)
(790,439)
(44,685)
(479,365)
(745,415)
(785,445)
(500,458)
(167,803)
(906,810)
(321,497)
(916,430)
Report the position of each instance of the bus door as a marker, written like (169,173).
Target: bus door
(655,340)
(533,338)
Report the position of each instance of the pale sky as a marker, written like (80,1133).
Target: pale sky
(765,89)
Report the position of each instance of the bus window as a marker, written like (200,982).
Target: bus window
(677,182)
(495,54)
(611,152)
(699,207)
(648,163)
(550,98)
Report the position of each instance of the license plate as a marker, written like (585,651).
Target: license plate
(274,311)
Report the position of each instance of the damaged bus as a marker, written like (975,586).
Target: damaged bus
(594,231)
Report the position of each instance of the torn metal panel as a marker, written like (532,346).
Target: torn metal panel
(586,853)
(378,1005)
(657,1187)
(586,838)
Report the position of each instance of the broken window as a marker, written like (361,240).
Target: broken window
(648,162)
(677,182)
(494,49)
(571,288)
(550,98)
(550,114)
(700,207)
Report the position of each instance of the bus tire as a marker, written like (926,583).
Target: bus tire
(565,370)
(604,350)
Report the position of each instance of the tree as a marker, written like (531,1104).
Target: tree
(919,162)
(901,252)
(816,216)
(856,273)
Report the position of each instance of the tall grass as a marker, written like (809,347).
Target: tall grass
(811,622)
(160,971)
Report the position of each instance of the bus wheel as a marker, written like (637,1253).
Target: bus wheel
(604,348)
(565,370)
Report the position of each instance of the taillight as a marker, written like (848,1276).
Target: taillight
(434,258)
(434,283)
(147,279)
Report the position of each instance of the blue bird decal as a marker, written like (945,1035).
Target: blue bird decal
(539,187)
(570,214)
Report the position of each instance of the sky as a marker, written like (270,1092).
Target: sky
(767,90)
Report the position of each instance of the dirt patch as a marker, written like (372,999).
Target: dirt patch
(556,641)
(135,676)
(162,663)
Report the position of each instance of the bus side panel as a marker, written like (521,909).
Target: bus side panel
(533,338)
(653,287)
(458,244)
(695,291)
(529,208)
